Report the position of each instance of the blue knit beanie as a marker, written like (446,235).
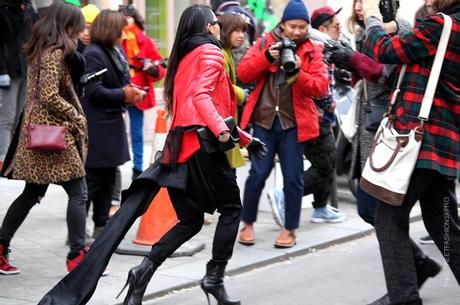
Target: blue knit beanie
(295,9)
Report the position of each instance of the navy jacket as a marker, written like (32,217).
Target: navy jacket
(103,104)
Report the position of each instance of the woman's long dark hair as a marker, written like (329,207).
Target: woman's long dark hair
(57,29)
(194,20)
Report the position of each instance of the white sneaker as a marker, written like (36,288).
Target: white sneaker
(327,214)
(276,200)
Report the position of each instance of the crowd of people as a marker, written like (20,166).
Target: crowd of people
(225,88)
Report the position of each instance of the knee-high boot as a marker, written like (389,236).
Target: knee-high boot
(138,279)
(213,283)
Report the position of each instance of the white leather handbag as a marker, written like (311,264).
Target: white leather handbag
(393,156)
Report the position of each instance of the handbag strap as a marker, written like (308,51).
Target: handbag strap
(436,69)
(427,101)
(35,96)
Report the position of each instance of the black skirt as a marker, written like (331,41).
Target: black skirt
(207,180)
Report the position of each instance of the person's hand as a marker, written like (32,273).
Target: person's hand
(341,55)
(390,27)
(5,81)
(257,147)
(371,9)
(273,52)
(133,95)
(150,67)
(298,62)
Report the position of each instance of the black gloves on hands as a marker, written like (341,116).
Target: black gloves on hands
(339,53)
(257,147)
(342,55)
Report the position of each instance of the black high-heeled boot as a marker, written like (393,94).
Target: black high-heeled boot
(138,279)
(213,283)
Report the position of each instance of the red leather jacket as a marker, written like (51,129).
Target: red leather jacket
(148,50)
(203,95)
(312,82)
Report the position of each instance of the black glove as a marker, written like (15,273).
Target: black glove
(341,56)
(258,148)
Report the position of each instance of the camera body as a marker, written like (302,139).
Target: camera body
(388,9)
(287,48)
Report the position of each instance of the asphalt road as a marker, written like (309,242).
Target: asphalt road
(347,274)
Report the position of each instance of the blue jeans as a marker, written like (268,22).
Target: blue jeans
(136,120)
(11,104)
(290,152)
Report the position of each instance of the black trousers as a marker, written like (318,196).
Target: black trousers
(438,201)
(101,183)
(214,168)
(319,178)
(32,194)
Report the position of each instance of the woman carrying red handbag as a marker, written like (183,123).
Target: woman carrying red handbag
(53,67)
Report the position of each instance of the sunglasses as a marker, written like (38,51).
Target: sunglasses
(218,22)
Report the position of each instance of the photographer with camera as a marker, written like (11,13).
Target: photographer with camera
(429,101)
(374,94)
(289,71)
(320,152)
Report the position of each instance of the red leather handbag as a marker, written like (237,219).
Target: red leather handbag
(44,137)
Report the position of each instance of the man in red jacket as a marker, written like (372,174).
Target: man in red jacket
(282,113)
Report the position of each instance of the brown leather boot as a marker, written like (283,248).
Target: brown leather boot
(247,236)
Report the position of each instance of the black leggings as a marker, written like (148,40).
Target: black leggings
(190,223)
(32,194)
(205,171)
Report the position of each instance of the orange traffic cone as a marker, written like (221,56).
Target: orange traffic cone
(161,131)
(159,218)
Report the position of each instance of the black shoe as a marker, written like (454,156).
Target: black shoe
(426,268)
(138,279)
(385,300)
(213,283)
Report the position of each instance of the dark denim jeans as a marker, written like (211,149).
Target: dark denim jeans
(290,152)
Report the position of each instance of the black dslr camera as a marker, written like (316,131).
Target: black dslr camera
(287,49)
(388,9)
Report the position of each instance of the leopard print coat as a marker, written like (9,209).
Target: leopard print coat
(56,104)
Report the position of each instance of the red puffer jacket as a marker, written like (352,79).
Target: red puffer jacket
(203,95)
(148,50)
(312,82)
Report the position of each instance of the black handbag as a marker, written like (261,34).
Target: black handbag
(209,142)
(375,111)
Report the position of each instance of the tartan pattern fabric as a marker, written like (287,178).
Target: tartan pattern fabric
(441,143)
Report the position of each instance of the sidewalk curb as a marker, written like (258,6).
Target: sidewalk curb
(267,262)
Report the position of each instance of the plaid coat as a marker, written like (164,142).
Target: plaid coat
(441,143)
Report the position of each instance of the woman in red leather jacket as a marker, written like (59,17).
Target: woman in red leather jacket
(198,93)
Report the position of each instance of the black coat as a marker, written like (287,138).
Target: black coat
(103,104)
